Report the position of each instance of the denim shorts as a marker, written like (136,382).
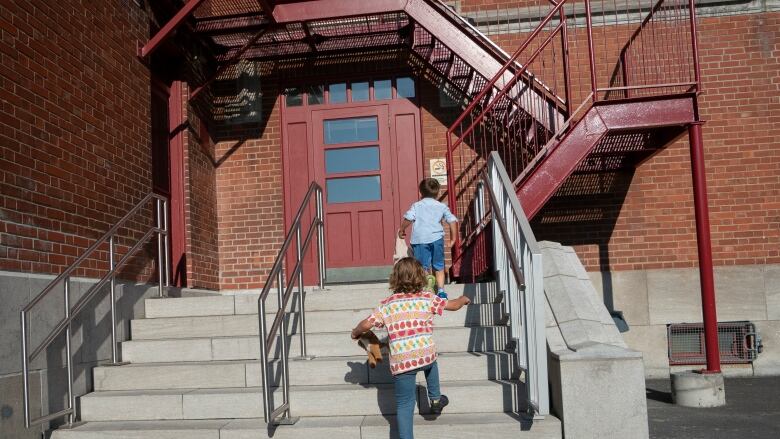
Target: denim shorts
(430,255)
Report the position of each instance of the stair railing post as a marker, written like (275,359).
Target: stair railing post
(166,246)
(111,266)
(264,359)
(68,358)
(566,70)
(321,239)
(283,340)
(160,256)
(591,52)
(301,299)
(25,369)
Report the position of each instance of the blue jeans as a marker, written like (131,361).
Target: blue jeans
(430,255)
(405,390)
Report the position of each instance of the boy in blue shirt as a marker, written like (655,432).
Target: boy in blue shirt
(428,233)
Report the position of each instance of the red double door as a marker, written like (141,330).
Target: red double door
(368,160)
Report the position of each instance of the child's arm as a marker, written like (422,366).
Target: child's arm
(402,231)
(453,232)
(456,304)
(361,328)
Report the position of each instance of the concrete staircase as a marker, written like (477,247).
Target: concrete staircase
(194,373)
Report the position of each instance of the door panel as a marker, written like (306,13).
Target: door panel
(354,161)
(339,237)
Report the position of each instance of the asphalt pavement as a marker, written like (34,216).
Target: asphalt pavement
(752,411)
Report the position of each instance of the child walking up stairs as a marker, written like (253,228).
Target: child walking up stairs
(194,373)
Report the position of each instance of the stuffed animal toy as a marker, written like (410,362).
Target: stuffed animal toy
(370,342)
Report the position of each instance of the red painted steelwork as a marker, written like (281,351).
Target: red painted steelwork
(705,248)
(177,221)
(591,51)
(167,30)
(222,68)
(560,161)
(268,9)
(323,9)
(695,44)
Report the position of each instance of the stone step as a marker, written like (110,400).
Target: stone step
(240,403)
(450,426)
(320,371)
(337,344)
(346,297)
(316,322)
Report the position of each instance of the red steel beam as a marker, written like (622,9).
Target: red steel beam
(236,56)
(322,9)
(705,248)
(267,9)
(167,30)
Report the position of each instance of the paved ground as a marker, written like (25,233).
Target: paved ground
(752,411)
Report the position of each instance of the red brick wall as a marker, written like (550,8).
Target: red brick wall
(74,128)
(250,206)
(200,203)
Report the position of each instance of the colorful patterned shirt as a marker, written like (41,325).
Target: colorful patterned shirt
(409,321)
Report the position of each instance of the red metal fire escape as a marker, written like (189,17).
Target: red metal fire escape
(567,106)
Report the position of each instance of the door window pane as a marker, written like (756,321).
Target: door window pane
(316,95)
(383,89)
(359,129)
(353,189)
(352,159)
(405,87)
(293,97)
(359,91)
(337,93)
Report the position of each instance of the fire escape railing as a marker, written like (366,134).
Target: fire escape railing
(285,288)
(510,117)
(160,230)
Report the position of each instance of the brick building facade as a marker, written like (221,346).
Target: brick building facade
(76,142)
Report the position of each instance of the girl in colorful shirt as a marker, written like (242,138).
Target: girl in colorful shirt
(408,316)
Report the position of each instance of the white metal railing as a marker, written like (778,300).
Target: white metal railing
(285,289)
(518,270)
(160,230)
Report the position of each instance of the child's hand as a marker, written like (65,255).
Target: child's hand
(466,300)
(402,234)
(354,335)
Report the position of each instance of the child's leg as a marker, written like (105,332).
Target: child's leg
(432,381)
(405,388)
(437,262)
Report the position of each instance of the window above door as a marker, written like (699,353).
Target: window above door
(336,93)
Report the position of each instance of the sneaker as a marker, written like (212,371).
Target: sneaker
(442,294)
(437,405)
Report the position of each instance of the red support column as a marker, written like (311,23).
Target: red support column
(705,248)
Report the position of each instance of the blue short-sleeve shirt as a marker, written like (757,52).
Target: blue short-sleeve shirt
(427,215)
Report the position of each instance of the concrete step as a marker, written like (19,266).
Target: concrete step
(320,371)
(347,297)
(316,322)
(450,426)
(337,344)
(241,403)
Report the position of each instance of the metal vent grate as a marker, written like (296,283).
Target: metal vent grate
(738,343)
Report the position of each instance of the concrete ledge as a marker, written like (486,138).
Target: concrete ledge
(597,383)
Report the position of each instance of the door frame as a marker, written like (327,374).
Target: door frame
(397,106)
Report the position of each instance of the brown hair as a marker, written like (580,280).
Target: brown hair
(408,276)
(429,187)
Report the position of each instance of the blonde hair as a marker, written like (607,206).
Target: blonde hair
(408,276)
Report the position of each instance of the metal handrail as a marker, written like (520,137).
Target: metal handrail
(160,229)
(284,292)
(518,266)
